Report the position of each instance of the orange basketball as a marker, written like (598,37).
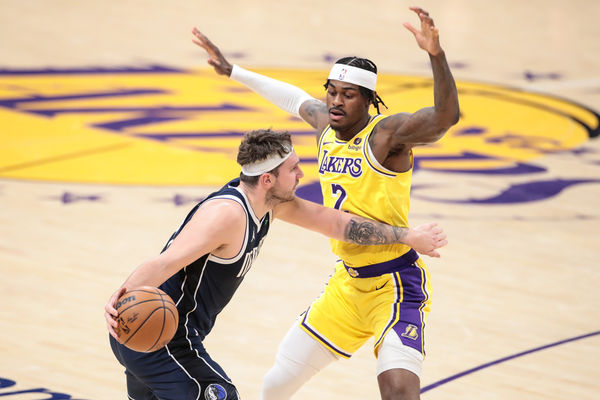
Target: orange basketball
(148,319)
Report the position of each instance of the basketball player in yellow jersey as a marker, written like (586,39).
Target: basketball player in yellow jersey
(365,167)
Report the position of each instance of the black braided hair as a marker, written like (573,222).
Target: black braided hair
(366,64)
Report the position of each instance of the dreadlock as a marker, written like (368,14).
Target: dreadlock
(366,64)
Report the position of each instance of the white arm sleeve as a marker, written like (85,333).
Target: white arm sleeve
(283,95)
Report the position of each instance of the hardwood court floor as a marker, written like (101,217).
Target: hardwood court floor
(519,278)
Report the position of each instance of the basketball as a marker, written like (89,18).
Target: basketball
(147,319)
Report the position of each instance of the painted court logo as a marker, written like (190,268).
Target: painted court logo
(10,389)
(103,125)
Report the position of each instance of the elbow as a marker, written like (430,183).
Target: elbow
(447,115)
(446,121)
(449,118)
(455,117)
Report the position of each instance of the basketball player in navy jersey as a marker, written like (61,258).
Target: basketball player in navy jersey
(206,259)
(365,168)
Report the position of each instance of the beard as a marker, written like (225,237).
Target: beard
(276,196)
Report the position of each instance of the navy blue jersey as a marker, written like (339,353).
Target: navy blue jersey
(183,369)
(203,288)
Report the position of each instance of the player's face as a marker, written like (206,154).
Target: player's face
(346,105)
(286,182)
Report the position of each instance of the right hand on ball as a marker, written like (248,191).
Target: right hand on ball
(111,314)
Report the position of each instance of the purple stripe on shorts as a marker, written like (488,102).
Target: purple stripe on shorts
(394,308)
(410,326)
(321,338)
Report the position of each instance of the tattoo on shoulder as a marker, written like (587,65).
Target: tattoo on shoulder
(372,233)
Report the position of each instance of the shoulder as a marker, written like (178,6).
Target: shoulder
(389,142)
(224,210)
(315,113)
(392,122)
(388,127)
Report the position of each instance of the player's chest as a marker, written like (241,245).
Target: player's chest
(341,158)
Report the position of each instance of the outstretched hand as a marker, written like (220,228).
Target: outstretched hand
(428,37)
(426,238)
(215,58)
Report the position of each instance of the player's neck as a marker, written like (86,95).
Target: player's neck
(256,198)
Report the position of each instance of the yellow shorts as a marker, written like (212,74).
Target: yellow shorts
(351,310)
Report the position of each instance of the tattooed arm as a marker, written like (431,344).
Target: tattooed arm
(315,113)
(352,228)
(429,124)
(393,137)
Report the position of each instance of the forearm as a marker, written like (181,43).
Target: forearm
(340,225)
(364,231)
(444,90)
(150,273)
(425,238)
(285,96)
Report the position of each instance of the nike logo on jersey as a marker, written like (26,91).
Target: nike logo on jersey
(380,287)
(341,165)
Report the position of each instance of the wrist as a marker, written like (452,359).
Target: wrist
(235,71)
(437,54)
(407,236)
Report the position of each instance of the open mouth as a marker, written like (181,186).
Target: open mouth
(336,114)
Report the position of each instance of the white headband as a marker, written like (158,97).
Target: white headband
(266,165)
(357,76)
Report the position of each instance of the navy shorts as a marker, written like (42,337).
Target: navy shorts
(179,371)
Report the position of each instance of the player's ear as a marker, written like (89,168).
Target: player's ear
(266,180)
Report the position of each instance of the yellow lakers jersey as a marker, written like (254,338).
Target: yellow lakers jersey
(353,180)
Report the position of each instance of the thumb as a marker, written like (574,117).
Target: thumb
(410,28)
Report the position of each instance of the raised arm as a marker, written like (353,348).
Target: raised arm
(285,96)
(196,239)
(428,124)
(352,228)
(215,57)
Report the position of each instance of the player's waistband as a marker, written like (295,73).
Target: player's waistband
(369,271)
